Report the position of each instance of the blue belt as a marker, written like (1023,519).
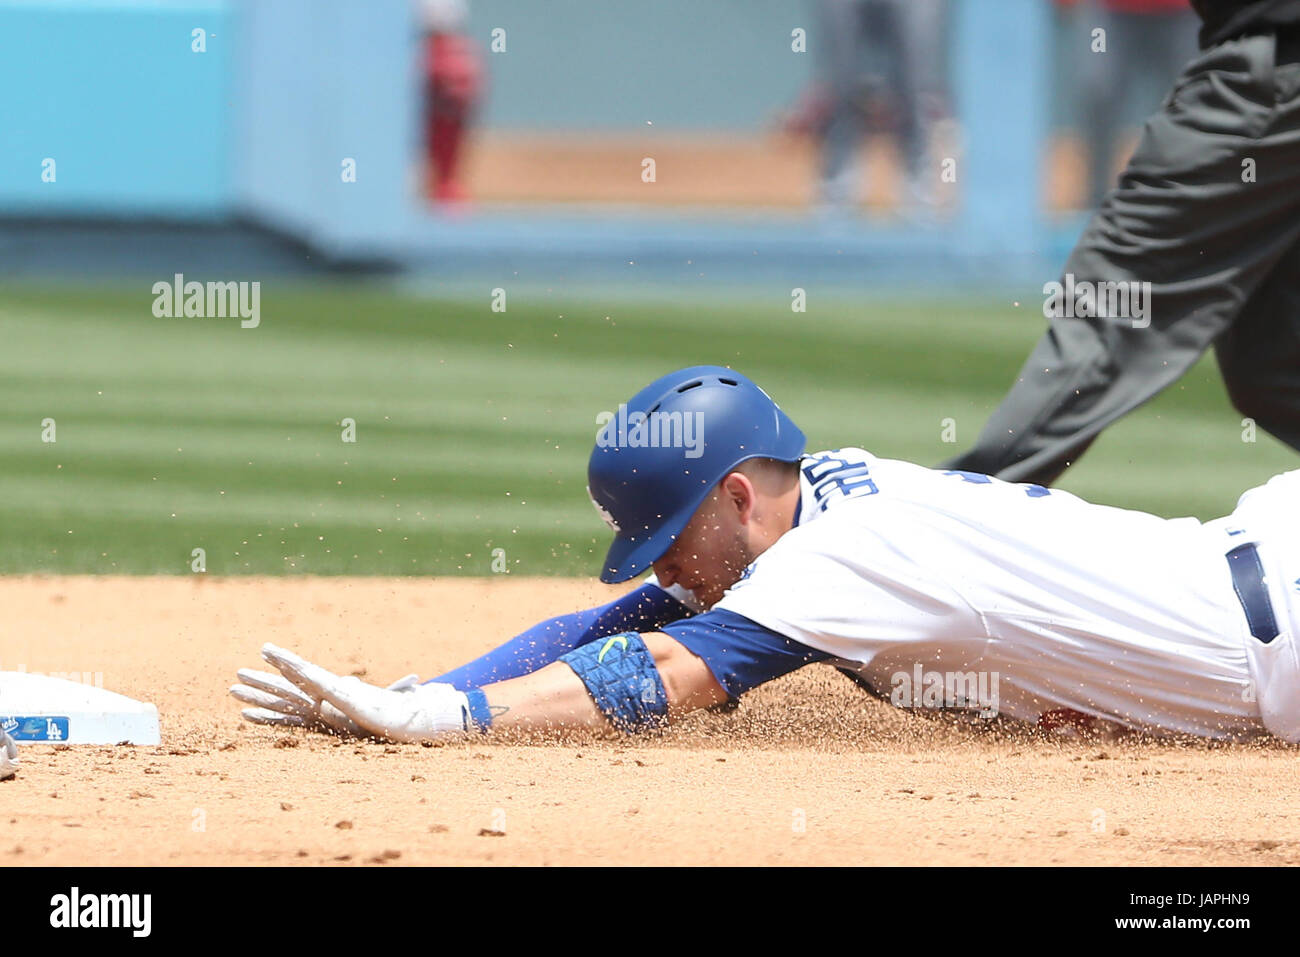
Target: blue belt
(1248,582)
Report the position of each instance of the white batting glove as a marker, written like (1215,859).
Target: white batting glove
(8,756)
(280,703)
(419,713)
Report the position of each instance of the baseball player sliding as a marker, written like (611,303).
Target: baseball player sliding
(932,587)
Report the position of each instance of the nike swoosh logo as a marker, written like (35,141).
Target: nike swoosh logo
(600,658)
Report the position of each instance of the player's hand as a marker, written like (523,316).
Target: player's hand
(8,755)
(279,702)
(420,713)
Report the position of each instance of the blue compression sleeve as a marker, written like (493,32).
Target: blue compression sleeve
(645,609)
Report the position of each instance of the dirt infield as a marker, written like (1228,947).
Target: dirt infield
(809,770)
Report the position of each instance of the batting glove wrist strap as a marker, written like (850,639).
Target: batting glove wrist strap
(479,714)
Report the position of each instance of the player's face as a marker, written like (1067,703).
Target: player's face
(710,553)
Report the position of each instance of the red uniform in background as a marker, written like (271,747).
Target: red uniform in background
(453,82)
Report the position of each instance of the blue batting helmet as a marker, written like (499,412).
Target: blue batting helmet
(658,457)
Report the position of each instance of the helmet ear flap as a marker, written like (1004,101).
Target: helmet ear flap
(604,513)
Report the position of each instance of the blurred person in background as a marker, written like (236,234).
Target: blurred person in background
(1147,44)
(453,87)
(879,65)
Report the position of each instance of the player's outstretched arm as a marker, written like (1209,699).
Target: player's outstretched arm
(629,682)
(277,701)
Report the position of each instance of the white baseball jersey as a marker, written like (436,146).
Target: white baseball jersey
(920,579)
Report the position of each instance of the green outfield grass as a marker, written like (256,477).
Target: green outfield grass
(473,427)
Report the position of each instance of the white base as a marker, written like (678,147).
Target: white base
(38,709)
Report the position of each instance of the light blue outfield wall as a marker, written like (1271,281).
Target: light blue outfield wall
(318,82)
(135,122)
(1000,70)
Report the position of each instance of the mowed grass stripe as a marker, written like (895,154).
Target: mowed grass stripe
(106,499)
(166,547)
(426,453)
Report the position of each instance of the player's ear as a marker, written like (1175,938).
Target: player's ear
(738,491)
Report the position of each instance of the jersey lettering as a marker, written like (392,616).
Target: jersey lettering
(833,477)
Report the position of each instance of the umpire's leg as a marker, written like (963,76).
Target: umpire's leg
(1260,355)
(1186,217)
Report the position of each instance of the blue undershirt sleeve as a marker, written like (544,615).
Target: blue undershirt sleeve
(647,608)
(741,653)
